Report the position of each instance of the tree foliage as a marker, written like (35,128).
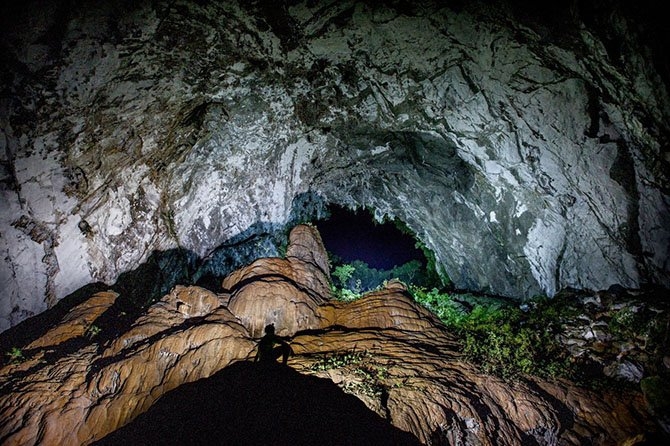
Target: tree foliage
(359,277)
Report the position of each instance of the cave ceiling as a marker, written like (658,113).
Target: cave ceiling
(528,149)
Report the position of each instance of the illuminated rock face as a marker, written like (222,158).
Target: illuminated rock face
(78,384)
(522,153)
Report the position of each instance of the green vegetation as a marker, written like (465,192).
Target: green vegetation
(343,273)
(368,377)
(624,323)
(499,336)
(494,333)
(15,355)
(636,321)
(356,277)
(353,279)
(434,276)
(93,331)
(338,360)
(535,338)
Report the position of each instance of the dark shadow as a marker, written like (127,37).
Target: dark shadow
(261,239)
(155,277)
(210,282)
(259,404)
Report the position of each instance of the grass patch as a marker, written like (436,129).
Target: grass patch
(338,360)
(366,377)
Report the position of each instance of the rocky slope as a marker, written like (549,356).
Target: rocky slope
(85,377)
(526,147)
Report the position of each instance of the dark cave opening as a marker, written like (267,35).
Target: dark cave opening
(375,251)
(355,235)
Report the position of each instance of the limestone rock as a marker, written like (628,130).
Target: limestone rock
(526,147)
(625,370)
(75,392)
(385,349)
(305,244)
(77,322)
(284,292)
(389,308)
(623,335)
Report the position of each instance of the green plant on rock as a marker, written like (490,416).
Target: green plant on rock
(368,377)
(656,334)
(346,295)
(345,292)
(368,388)
(624,323)
(15,355)
(504,350)
(440,304)
(372,372)
(343,273)
(338,360)
(372,379)
(93,331)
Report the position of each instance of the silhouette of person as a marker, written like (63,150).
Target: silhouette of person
(267,352)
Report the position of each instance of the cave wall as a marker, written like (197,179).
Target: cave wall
(527,150)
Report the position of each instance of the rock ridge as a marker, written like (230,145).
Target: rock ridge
(76,387)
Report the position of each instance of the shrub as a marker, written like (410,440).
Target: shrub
(624,323)
(345,295)
(93,331)
(343,273)
(500,338)
(369,377)
(442,305)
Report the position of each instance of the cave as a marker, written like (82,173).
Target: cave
(508,150)
(365,254)
(354,235)
(162,161)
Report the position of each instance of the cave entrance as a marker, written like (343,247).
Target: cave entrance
(365,253)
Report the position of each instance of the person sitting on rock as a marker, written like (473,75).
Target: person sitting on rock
(267,353)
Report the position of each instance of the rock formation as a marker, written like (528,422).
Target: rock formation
(526,147)
(88,376)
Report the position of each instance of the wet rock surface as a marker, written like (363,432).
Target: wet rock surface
(394,356)
(527,148)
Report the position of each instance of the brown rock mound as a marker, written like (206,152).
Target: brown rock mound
(386,350)
(73,394)
(284,292)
